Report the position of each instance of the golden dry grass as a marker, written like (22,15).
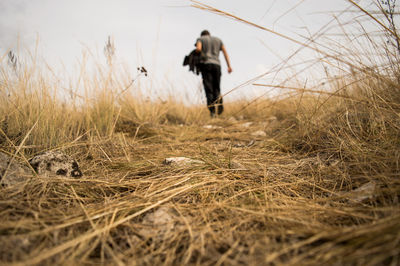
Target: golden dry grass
(279,199)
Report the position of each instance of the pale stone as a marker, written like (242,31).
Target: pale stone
(11,171)
(246,125)
(55,163)
(158,224)
(211,127)
(181,161)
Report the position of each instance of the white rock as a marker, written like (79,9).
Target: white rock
(259,133)
(158,224)
(55,162)
(12,172)
(181,161)
(162,217)
(211,127)
(246,125)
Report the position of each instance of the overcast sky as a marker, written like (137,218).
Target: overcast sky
(158,34)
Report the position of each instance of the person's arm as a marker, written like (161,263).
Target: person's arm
(198,47)
(228,63)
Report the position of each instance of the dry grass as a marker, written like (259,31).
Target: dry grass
(279,200)
(286,198)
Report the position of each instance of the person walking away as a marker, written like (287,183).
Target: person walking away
(210,68)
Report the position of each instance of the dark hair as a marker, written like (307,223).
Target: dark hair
(205,32)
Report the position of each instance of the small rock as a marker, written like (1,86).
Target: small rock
(162,217)
(246,125)
(181,161)
(55,162)
(12,172)
(259,133)
(158,224)
(211,127)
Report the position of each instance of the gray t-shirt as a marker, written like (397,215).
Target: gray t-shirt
(210,48)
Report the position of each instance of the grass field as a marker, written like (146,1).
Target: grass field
(320,186)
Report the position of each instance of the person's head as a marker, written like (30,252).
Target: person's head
(205,33)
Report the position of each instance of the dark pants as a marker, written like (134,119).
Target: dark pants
(211,74)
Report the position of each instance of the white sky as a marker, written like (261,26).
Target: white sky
(158,34)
